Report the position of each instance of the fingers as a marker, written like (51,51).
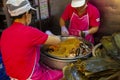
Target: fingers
(63,33)
(83,33)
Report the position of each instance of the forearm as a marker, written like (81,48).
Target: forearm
(62,22)
(52,39)
(64,31)
(93,30)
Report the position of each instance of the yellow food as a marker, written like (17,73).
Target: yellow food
(65,48)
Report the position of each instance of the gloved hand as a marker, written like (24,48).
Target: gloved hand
(83,33)
(86,32)
(49,32)
(64,31)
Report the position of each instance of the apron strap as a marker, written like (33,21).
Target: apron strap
(29,78)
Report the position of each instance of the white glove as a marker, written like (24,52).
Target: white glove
(49,32)
(64,31)
(83,33)
(86,32)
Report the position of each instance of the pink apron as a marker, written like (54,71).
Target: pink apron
(80,24)
(42,72)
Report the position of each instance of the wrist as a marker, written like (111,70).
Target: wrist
(63,26)
(86,32)
(49,32)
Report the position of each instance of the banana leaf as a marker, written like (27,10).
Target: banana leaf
(92,69)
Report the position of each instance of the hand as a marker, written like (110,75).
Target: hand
(64,31)
(49,32)
(86,32)
(83,33)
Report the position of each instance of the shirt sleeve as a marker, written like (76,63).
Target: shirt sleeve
(94,16)
(67,12)
(37,36)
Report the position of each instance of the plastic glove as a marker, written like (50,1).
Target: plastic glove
(86,32)
(49,32)
(83,33)
(64,31)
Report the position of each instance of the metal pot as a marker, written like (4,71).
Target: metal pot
(54,62)
(58,62)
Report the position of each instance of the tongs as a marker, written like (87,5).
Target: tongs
(82,50)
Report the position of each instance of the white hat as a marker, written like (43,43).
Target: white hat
(18,7)
(77,3)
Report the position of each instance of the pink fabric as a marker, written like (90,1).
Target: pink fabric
(92,11)
(43,72)
(79,24)
(0,44)
(19,47)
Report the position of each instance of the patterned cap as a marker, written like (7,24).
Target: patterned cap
(18,7)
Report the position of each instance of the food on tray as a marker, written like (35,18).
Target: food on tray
(71,47)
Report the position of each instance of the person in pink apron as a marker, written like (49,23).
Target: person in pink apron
(83,17)
(20,45)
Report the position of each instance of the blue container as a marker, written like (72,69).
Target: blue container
(3,75)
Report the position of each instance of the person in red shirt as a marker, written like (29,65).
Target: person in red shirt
(20,45)
(83,17)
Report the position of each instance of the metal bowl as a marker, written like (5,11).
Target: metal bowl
(59,62)
(54,62)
